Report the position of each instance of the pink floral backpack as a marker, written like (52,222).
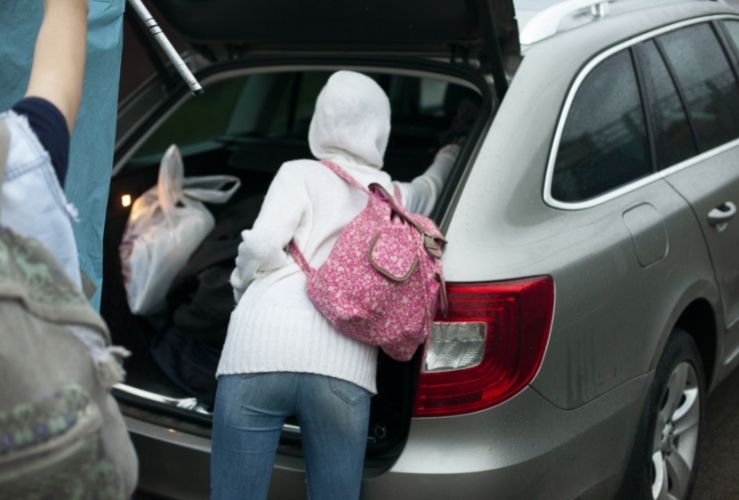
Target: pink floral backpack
(382,283)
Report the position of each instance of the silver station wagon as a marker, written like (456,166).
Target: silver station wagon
(593,256)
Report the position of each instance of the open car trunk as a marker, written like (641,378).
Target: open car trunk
(266,63)
(247,124)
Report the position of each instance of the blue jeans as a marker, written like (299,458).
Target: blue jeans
(249,412)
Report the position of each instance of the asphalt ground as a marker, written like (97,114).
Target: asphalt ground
(718,455)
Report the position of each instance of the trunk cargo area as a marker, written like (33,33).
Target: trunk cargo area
(246,125)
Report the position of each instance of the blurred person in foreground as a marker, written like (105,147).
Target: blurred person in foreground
(40,127)
(33,204)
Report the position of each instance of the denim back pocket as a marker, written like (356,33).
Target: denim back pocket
(350,393)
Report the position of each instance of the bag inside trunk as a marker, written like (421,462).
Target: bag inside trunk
(247,125)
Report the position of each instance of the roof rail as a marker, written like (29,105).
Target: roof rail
(546,22)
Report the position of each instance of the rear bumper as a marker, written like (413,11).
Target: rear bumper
(525,448)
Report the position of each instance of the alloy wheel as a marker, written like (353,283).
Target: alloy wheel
(676,434)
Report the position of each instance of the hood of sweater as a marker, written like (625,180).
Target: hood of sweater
(351,120)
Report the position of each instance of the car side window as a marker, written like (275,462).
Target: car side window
(707,81)
(604,142)
(672,134)
(311,83)
(296,104)
(201,119)
(432,96)
(732,29)
(411,98)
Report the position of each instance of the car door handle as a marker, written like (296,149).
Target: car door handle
(722,213)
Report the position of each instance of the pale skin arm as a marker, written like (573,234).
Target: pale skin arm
(59,58)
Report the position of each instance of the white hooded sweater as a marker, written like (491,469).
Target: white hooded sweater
(275,327)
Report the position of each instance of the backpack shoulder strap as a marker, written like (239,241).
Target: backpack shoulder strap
(397,194)
(292,246)
(344,175)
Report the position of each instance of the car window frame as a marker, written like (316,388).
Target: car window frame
(645,142)
(733,57)
(723,42)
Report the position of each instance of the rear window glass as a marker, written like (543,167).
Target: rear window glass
(604,142)
(672,135)
(707,82)
(200,119)
(279,106)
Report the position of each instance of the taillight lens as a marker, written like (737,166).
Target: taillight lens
(488,347)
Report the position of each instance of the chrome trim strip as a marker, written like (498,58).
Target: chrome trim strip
(290,429)
(666,172)
(183,403)
(626,188)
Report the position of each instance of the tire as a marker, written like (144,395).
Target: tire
(663,462)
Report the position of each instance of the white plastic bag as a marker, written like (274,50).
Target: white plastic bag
(164,227)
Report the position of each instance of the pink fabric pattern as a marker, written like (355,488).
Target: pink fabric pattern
(382,281)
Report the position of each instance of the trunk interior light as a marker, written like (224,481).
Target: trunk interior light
(488,347)
(126,200)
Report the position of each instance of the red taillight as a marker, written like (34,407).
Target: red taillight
(510,321)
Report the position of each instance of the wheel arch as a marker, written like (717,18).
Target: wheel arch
(699,320)
(695,308)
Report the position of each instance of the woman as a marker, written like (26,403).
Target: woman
(281,357)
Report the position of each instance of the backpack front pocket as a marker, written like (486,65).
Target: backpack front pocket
(53,448)
(394,253)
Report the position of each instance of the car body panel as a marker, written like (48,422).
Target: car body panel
(504,227)
(707,185)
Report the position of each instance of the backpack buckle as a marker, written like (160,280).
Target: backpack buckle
(432,246)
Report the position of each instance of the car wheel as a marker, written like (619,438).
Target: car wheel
(664,459)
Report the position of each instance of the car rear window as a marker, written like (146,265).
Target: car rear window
(604,141)
(278,107)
